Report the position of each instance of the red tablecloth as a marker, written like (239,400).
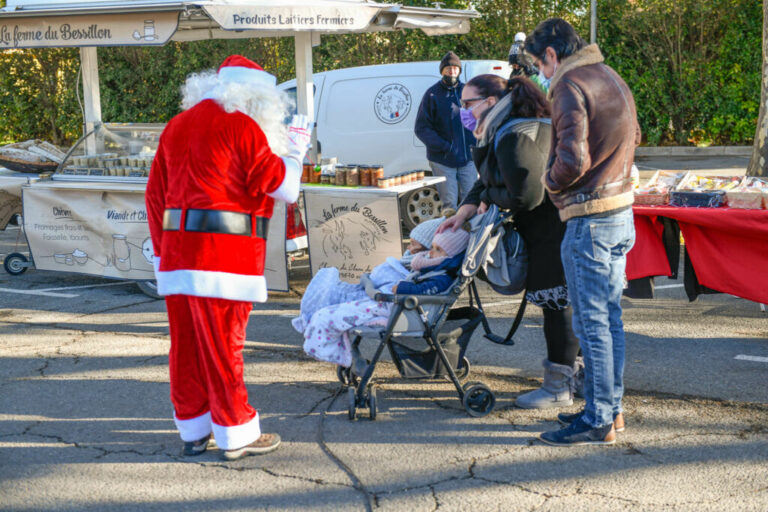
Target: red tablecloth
(727,246)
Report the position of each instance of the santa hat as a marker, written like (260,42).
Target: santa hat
(452,242)
(237,68)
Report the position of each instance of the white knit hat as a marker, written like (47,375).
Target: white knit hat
(452,242)
(424,232)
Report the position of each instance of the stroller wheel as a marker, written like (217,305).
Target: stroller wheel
(372,402)
(462,372)
(351,403)
(478,399)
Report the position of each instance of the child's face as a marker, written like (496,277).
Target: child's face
(437,252)
(415,247)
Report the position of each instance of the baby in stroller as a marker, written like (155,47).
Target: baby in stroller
(327,289)
(326,335)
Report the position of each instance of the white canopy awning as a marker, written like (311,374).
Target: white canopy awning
(92,23)
(57,23)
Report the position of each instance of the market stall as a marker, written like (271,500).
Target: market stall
(726,237)
(353,229)
(98,190)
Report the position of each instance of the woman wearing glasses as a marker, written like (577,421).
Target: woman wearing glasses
(510,119)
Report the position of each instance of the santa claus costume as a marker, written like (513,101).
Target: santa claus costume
(211,192)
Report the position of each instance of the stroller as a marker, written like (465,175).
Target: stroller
(426,338)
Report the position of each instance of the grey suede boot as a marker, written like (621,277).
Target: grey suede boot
(554,392)
(578,377)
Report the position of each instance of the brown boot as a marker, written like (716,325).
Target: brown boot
(266,443)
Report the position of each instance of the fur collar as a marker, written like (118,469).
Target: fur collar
(590,54)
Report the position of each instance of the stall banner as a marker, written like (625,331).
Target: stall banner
(293,15)
(105,233)
(147,29)
(353,233)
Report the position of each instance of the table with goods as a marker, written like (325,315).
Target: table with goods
(724,223)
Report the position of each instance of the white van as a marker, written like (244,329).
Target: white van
(366,115)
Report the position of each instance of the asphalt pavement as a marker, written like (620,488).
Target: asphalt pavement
(86,422)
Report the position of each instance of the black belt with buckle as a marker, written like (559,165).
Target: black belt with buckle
(214,221)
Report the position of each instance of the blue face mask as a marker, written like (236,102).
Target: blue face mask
(467,119)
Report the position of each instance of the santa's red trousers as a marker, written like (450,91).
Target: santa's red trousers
(206,366)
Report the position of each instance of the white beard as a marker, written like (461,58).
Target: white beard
(265,104)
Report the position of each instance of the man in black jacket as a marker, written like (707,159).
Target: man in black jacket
(439,127)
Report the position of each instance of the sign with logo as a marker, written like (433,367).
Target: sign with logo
(105,233)
(352,232)
(149,29)
(392,103)
(324,17)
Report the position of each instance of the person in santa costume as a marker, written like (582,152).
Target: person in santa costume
(219,167)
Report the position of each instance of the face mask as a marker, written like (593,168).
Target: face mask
(543,80)
(467,119)
(450,81)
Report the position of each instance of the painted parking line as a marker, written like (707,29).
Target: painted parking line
(51,292)
(81,287)
(664,286)
(501,303)
(757,359)
(40,292)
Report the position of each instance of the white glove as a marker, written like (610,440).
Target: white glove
(299,137)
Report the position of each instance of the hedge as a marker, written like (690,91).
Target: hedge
(694,66)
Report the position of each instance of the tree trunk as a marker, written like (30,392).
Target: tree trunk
(758,164)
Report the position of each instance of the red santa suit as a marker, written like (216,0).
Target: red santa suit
(210,194)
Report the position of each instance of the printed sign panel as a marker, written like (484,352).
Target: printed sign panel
(351,233)
(105,233)
(293,16)
(89,30)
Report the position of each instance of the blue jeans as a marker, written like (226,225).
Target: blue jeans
(458,182)
(594,253)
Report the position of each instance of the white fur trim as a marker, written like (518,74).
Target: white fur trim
(288,190)
(246,75)
(194,429)
(232,438)
(208,283)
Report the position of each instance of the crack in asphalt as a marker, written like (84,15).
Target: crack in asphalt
(434,497)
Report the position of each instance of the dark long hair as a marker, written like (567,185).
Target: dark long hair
(527,99)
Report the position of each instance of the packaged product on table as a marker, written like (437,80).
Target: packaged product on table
(751,193)
(656,190)
(703,191)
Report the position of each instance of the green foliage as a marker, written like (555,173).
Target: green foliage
(693,66)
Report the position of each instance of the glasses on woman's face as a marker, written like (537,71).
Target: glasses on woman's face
(465,103)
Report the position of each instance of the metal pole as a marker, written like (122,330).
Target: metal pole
(91,95)
(593,22)
(305,93)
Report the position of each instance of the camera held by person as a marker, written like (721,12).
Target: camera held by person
(520,62)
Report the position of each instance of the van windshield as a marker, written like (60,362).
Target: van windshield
(291,92)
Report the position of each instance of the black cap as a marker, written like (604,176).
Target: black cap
(450,59)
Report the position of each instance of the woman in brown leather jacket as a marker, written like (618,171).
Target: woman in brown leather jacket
(513,130)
